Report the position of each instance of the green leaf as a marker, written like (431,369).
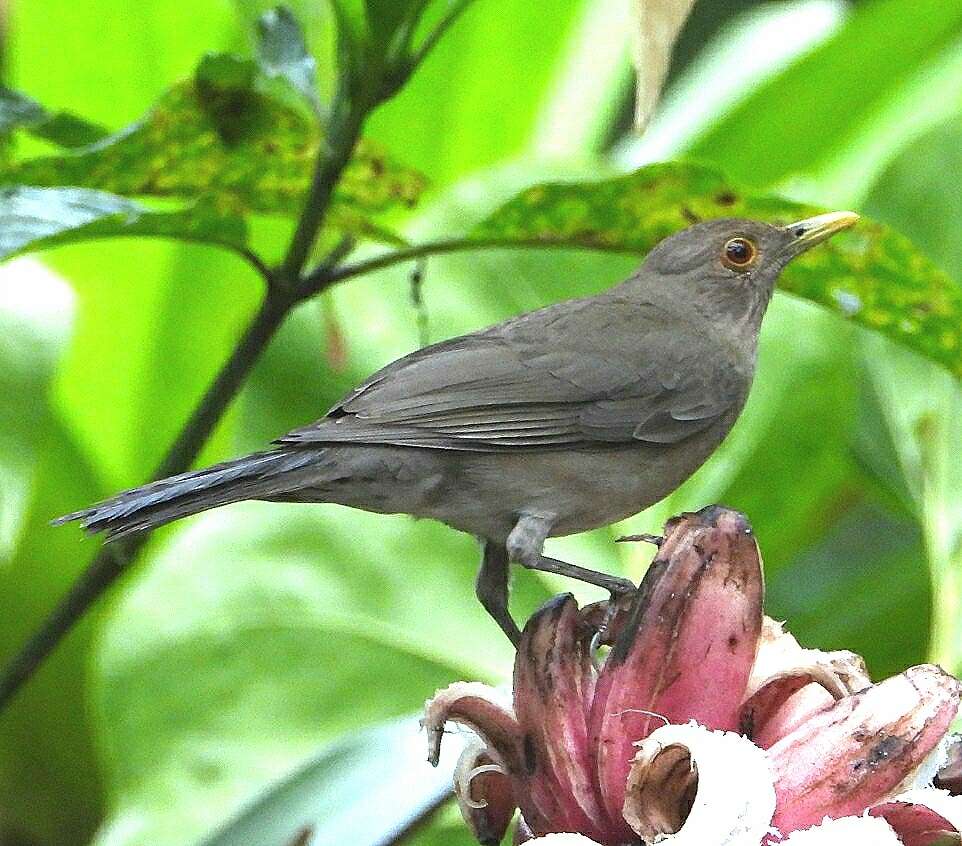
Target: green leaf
(106,63)
(872,276)
(829,592)
(227,138)
(459,87)
(17,111)
(33,332)
(363,789)
(917,408)
(918,193)
(45,732)
(43,218)
(283,52)
(214,682)
(799,118)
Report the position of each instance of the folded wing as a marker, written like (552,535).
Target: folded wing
(582,373)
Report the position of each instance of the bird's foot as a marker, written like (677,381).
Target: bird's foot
(644,537)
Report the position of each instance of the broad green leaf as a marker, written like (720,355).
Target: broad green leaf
(855,586)
(918,408)
(801,116)
(42,218)
(49,775)
(40,468)
(919,194)
(283,52)
(462,89)
(225,138)
(215,681)
(17,111)
(105,60)
(35,312)
(872,276)
(362,789)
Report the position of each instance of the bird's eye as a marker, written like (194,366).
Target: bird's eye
(739,253)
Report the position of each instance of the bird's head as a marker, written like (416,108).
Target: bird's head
(729,266)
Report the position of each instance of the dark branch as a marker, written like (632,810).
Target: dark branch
(287,285)
(343,135)
(284,287)
(323,278)
(111,560)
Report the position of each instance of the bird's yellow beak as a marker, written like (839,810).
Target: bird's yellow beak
(813,230)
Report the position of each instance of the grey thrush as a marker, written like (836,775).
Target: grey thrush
(561,420)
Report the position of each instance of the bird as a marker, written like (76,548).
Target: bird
(554,422)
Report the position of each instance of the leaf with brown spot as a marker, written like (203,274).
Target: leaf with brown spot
(872,275)
(229,137)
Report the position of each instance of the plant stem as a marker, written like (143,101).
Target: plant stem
(110,562)
(324,277)
(285,290)
(344,131)
(287,285)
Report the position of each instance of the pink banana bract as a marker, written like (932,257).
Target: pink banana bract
(706,723)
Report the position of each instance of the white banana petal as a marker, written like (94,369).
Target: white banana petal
(847,831)
(722,777)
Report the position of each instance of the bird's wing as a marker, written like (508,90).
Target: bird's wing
(599,371)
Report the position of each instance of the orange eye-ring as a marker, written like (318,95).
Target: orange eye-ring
(739,253)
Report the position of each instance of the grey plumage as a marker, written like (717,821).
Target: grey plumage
(560,420)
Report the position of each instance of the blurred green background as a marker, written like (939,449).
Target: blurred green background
(252,641)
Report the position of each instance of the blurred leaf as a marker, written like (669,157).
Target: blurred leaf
(39,468)
(920,407)
(42,218)
(920,193)
(658,24)
(226,138)
(360,790)
(283,52)
(856,586)
(33,332)
(801,116)
(17,111)
(872,276)
(461,88)
(445,831)
(214,682)
(49,776)
(110,60)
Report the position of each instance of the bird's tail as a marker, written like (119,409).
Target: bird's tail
(261,475)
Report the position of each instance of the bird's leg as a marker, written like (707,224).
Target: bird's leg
(492,588)
(526,542)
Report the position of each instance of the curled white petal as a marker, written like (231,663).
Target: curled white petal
(780,655)
(479,707)
(689,786)
(563,840)
(846,831)
(941,801)
(924,774)
(468,769)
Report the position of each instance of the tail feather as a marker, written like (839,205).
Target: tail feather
(257,476)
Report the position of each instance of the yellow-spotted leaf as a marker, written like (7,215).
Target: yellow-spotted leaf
(871,275)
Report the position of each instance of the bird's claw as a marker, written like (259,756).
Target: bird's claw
(644,537)
(620,587)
